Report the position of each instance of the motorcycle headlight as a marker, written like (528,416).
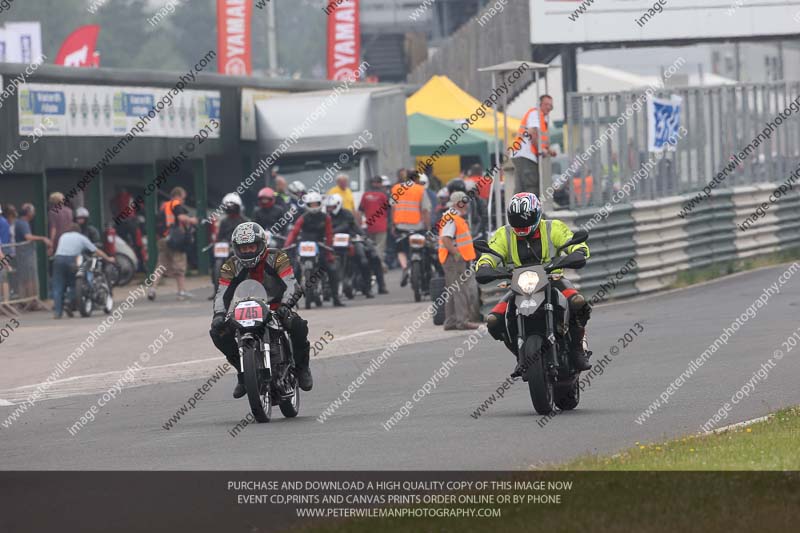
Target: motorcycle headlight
(528,281)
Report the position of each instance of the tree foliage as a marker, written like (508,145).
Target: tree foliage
(131,38)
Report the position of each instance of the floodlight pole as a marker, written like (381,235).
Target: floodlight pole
(496,171)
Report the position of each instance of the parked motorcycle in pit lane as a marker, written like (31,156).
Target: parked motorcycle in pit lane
(542,327)
(265,350)
(92,287)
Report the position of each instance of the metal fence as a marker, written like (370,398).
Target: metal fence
(20,283)
(720,121)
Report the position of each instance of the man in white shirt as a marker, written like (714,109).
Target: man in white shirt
(533,134)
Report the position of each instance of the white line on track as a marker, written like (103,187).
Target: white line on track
(5,403)
(73,378)
(739,425)
(354,335)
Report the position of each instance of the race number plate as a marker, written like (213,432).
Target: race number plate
(221,250)
(341,240)
(308,249)
(248,313)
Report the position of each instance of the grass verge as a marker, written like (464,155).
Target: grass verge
(768,445)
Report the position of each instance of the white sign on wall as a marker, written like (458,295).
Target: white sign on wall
(103,111)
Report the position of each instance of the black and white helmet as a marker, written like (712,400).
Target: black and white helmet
(249,233)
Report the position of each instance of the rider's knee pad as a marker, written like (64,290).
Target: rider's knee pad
(581,310)
(496,325)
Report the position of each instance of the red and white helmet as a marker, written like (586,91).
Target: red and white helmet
(524,213)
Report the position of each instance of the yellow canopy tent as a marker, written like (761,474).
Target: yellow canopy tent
(441,98)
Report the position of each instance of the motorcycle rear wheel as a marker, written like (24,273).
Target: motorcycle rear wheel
(260,402)
(540,384)
(126,270)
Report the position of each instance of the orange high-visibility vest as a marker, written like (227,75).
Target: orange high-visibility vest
(544,137)
(577,183)
(462,240)
(408,203)
(169,214)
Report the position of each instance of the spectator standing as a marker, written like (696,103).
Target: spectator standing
(342,188)
(455,255)
(5,258)
(282,196)
(22,227)
(60,219)
(475,175)
(71,244)
(172,257)
(374,209)
(533,132)
(425,182)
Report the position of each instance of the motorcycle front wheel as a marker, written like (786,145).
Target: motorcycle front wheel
(568,397)
(257,391)
(83,298)
(539,382)
(416,280)
(291,406)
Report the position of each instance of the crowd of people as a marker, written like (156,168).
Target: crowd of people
(18,242)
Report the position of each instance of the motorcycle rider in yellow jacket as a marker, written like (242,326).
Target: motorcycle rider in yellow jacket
(527,239)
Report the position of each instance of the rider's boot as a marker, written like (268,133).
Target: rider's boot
(302,370)
(495,324)
(239,391)
(578,355)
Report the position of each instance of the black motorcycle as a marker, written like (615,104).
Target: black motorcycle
(265,352)
(543,327)
(314,280)
(352,261)
(92,287)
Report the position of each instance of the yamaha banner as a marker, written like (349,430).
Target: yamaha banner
(234,44)
(344,39)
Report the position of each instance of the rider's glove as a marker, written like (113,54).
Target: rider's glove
(283,312)
(218,322)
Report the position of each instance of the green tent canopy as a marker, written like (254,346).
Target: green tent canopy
(427,134)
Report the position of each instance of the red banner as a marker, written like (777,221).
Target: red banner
(78,49)
(344,39)
(233,37)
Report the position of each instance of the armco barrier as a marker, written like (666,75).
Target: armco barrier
(664,244)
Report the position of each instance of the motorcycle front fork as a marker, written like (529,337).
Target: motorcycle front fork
(552,361)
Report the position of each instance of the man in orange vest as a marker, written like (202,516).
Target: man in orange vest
(175,261)
(411,212)
(533,133)
(455,255)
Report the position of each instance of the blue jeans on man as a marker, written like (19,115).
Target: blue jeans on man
(63,281)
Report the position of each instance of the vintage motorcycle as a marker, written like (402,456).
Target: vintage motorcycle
(92,287)
(314,280)
(265,351)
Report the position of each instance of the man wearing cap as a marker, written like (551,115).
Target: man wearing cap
(455,255)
